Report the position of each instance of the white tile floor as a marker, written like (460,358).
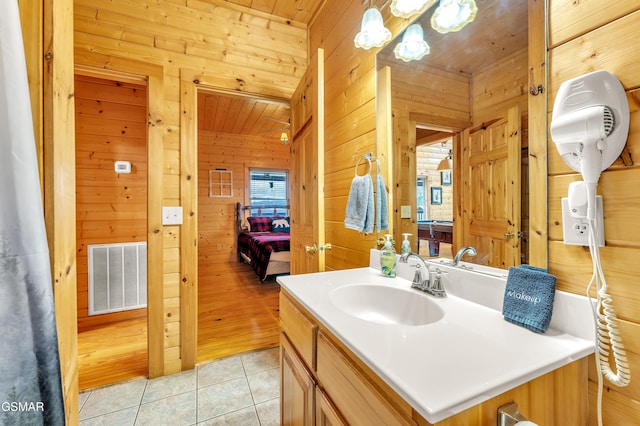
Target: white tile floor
(238,390)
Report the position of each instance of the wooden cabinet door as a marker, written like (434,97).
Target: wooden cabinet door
(296,388)
(326,413)
(307,171)
(491,192)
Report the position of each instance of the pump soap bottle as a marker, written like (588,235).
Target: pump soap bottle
(406,244)
(388,258)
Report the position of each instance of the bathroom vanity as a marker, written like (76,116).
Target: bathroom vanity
(360,348)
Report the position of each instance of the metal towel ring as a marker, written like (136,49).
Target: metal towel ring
(366,157)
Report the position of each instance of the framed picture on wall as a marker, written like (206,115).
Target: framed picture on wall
(445,177)
(436,195)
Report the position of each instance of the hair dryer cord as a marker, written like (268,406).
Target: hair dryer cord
(607,333)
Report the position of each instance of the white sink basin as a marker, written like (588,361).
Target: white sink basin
(386,305)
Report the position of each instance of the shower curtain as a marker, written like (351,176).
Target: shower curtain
(30,382)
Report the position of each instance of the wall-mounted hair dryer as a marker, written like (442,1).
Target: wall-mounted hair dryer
(590,125)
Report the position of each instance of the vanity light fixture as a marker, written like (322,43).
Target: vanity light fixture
(407,8)
(412,47)
(447,162)
(284,138)
(453,15)
(372,31)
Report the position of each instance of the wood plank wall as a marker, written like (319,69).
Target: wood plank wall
(499,87)
(599,34)
(444,101)
(588,36)
(48,39)
(216,216)
(229,47)
(450,100)
(349,122)
(111,125)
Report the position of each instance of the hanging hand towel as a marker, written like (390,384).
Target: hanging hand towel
(528,297)
(382,207)
(359,214)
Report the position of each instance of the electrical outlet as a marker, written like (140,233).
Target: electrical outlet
(575,230)
(172,215)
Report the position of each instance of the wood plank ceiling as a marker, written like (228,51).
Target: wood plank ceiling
(223,113)
(242,115)
(500,27)
(301,11)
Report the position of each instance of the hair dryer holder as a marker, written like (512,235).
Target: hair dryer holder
(580,115)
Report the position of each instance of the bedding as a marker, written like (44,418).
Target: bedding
(260,249)
(264,243)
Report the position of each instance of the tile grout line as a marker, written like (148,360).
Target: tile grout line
(197,392)
(146,383)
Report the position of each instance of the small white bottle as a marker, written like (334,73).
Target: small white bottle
(388,258)
(406,244)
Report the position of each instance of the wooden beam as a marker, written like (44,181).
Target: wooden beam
(537,135)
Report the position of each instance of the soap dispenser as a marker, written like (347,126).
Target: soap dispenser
(406,244)
(388,258)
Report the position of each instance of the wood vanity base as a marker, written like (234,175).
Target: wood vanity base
(324,383)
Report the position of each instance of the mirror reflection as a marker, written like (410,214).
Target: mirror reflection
(457,137)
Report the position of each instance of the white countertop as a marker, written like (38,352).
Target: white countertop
(471,355)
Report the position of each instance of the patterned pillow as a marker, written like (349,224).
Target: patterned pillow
(280,224)
(259,223)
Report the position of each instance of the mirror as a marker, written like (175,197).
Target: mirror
(425,107)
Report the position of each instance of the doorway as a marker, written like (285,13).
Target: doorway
(236,134)
(434,192)
(111,224)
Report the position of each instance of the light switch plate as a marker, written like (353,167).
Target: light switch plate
(575,230)
(405,212)
(172,215)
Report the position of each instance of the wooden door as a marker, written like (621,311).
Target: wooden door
(296,388)
(491,191)
(307,171)
(326,413)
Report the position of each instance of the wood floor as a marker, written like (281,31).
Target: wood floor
(112,353)
(237,313)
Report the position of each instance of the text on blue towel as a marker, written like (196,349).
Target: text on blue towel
(523,296)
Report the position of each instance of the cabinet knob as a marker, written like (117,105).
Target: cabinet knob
(311,249)
(326,246)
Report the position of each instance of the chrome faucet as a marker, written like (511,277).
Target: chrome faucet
(433,287)
(470,250)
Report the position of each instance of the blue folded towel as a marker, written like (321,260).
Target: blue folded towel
(528,297)
(382,207)
(359,214)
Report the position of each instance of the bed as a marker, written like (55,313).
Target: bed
(264,239)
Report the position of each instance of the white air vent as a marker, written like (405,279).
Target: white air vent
(117,277)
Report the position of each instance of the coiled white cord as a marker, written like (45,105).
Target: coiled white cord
(607,333)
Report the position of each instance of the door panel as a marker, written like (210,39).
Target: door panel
(307,171)
(491,190)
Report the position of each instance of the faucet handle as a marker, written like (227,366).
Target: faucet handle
(436,288)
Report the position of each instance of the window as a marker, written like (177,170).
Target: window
(269,188)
